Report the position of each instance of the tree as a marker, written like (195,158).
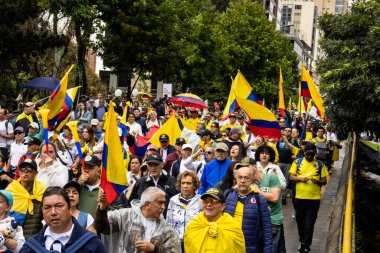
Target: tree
(350,69)
(83,14)
(23,36)
(196,46)
(246,40)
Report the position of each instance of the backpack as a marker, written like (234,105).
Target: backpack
(37,247)
(322,150)
(320,165)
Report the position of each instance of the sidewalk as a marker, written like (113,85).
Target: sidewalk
(324,215)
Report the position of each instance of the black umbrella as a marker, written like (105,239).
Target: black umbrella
(42,83)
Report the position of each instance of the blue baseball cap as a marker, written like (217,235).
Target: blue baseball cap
(8,196)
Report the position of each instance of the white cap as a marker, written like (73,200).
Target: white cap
(184,146)
(94,122)
(34,125)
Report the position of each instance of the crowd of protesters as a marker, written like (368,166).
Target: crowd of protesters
(220,188)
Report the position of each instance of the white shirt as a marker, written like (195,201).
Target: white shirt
(92,187)
(135,127)
(150,227)
(51,237)
(164,154)
(3,130)
(17,150)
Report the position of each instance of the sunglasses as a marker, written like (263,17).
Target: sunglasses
(209,152)
(211,201)
(18,133)
(26,169)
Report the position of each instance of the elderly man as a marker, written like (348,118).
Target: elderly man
(215,170)
(251,211)
(213,230)
(62,232)
(140,228)
(269,186)
(156,177)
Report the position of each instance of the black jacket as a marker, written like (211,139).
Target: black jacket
(165,182)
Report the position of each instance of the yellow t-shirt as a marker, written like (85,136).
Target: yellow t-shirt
(239,211)
(194,121)
(308,190)
(309,136)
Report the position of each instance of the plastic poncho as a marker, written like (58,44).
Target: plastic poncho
(224,235)
(126,227)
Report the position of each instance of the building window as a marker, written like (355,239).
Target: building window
(298,7)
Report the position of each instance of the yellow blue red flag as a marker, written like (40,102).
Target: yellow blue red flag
(57,100)
(240,87)
(281,101)
(114,174)
(262,121)
(171,128)
(309,90)
(67,108)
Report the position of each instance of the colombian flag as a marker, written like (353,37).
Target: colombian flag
(67,108)
(309,90)
(262,121)
(114,174)
(147,96)
(240,87)
(281,101)
(23,200)
(57,100)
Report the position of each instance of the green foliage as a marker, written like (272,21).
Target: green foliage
(350,69)
(246,40)
(83,14)
(192,44)
(23,36)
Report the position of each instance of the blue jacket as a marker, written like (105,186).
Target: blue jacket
(213,172)
(94,245)
(254,221)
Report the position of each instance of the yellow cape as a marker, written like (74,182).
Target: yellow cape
(22,200)
(226,231)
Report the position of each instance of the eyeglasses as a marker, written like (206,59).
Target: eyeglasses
(213,126)
(26,169)
(211,201)
(224,135)
(246,178)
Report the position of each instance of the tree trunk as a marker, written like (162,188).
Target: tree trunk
(81,77)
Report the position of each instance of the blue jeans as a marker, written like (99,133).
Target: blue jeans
(278,239)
